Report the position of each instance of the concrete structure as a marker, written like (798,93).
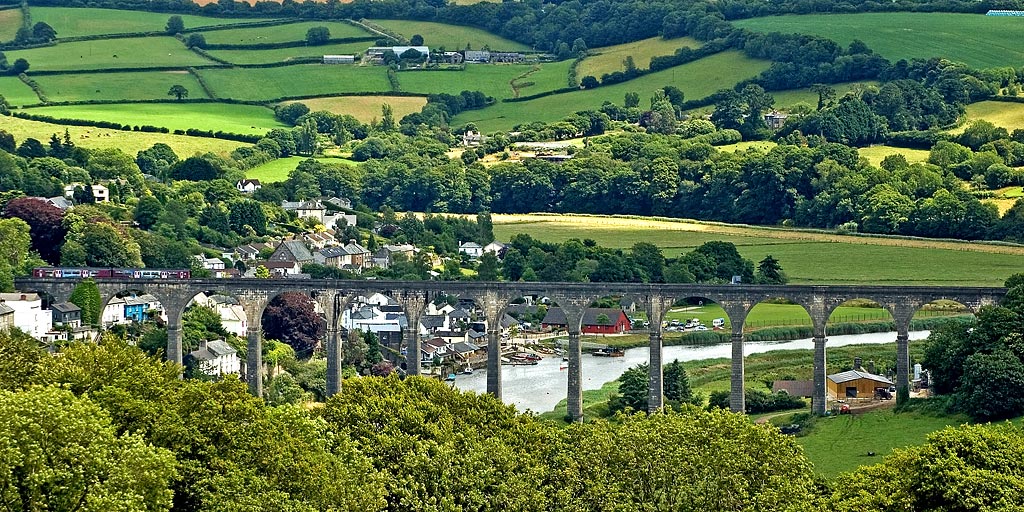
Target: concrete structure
(29,315)
(493,298)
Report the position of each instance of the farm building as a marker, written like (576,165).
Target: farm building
(376,53)
(339,59)
(855,384)
(801,388)
(595,320)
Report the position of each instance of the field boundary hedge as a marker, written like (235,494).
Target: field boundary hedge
(54,72)
(202,83)
(157,33)
(373,27)
(36,88)
(287,44)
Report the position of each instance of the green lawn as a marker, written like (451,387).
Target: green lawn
(175,116)
(129,142)
(610,58)
(278,170)
(139,52)
(451,37)
(548,76)
(977,40)
(118,86)
(696,79)
(10,22)
(16,92)
(285,54)
(300,80)
(72,21)
(490,79)
(282,33)
(806,257)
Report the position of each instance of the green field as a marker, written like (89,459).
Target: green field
(118,86)
(548,76)
(282,33)
(129,142)
(610,58)
(285,54)
(16,92)
(490,79)
(451,37)
(10,22)
(175,116)
(300,80)
(138,52)
(875,154)
(696,79)
(366,108)
(774,315)
(278,170)
(999,113)
(807,257)
(977,40)
(71,21)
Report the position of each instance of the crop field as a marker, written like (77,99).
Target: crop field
(282,33)
(110,54)
(285,54)
(875,154)
(808,257)
(278,170)
(129,142)
(72,21)
(490,79)
(451,37)
(610,58)
(16,92)
(696,79)
(10,22)
(999,113)
(366,108)
(248,119)
(294,81)
(977,40)
(118,86)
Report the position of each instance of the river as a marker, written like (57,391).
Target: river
(540,387)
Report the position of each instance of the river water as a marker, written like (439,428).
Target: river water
(540,387)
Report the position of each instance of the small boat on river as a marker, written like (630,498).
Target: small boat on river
(610,352)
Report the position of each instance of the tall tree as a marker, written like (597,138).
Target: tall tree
(45,223)
(174,25)
(178,91)
(290,318)
(86,295)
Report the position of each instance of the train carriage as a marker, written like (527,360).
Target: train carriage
(120,273)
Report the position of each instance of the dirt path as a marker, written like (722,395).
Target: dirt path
(512,83)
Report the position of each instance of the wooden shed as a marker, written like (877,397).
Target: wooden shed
(855,384)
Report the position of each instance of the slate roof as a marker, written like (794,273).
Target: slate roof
(463,347)
(852,375)
(432,321)
(213,350)
(5,309)
(458,313)
(65,307)
(556,316)
(292,250)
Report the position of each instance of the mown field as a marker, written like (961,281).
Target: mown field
(610,58)
(139,52)
(16,92)
(278,170)
(247,119)
(977,40)
(282,33)
(10,22)
(118,86)
(286,54)
(451,37)
(290,81)
(875,154)
(999,113)
(548,76)
(365,108)
(808,257)
(129,142)
(696,79)
(73,21)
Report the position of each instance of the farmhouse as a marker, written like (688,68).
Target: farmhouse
(471,249)
(248,186)
(775,119)
(478,56)
(339,59)
(855,384)
(595,320)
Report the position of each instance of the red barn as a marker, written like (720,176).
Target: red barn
(595,320)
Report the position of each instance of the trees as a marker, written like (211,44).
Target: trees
(14,251)
(290,318)
(174,25)
(101,245)
(487,267)
(289,113)
(178,91)
(246,212)
(20,66)
(43,33)
(769,271)
(147,212)
(318,35)
(195,40)
(416,40)
(45,226)
(86,295)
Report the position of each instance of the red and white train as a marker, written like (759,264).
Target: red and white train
(116,273)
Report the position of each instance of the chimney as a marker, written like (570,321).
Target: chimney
(857,363)
(871,367)
(352,241)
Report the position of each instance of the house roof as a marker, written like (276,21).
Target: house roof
(5,309)
(432,321)
(470,245)
(852,375)
(60,202)
(794,387)
(474,335)
(15,297)
(508,320)
(556,316)
(463,347)
(65,307)
(212,350)
(243,183)
(458,313)
(292,250)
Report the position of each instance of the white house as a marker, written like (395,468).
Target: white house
(313,209)
(496,248)
(215,358)
(29,315)
(210,263)
(232,314)
(99,192)
(248,186)
(471,249)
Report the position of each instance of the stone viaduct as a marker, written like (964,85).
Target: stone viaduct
(493,297)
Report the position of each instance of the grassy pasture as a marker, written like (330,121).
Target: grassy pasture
(281,33)
(16,92)
(118,86)
(73,21)
(977,40)
(999,113)
(365,108)
(138,52)
(278,170)
(491,79)
(299,80)
(610,58)
(286,54)
(175,116)
(875,154)
(548,76)
(10,22)
(451,37)
(808,257)
(129,142)
(696,79)
(774,315)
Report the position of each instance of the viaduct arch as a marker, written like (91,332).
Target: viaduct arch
(494,297)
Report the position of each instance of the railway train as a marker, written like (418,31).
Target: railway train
(113,273)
